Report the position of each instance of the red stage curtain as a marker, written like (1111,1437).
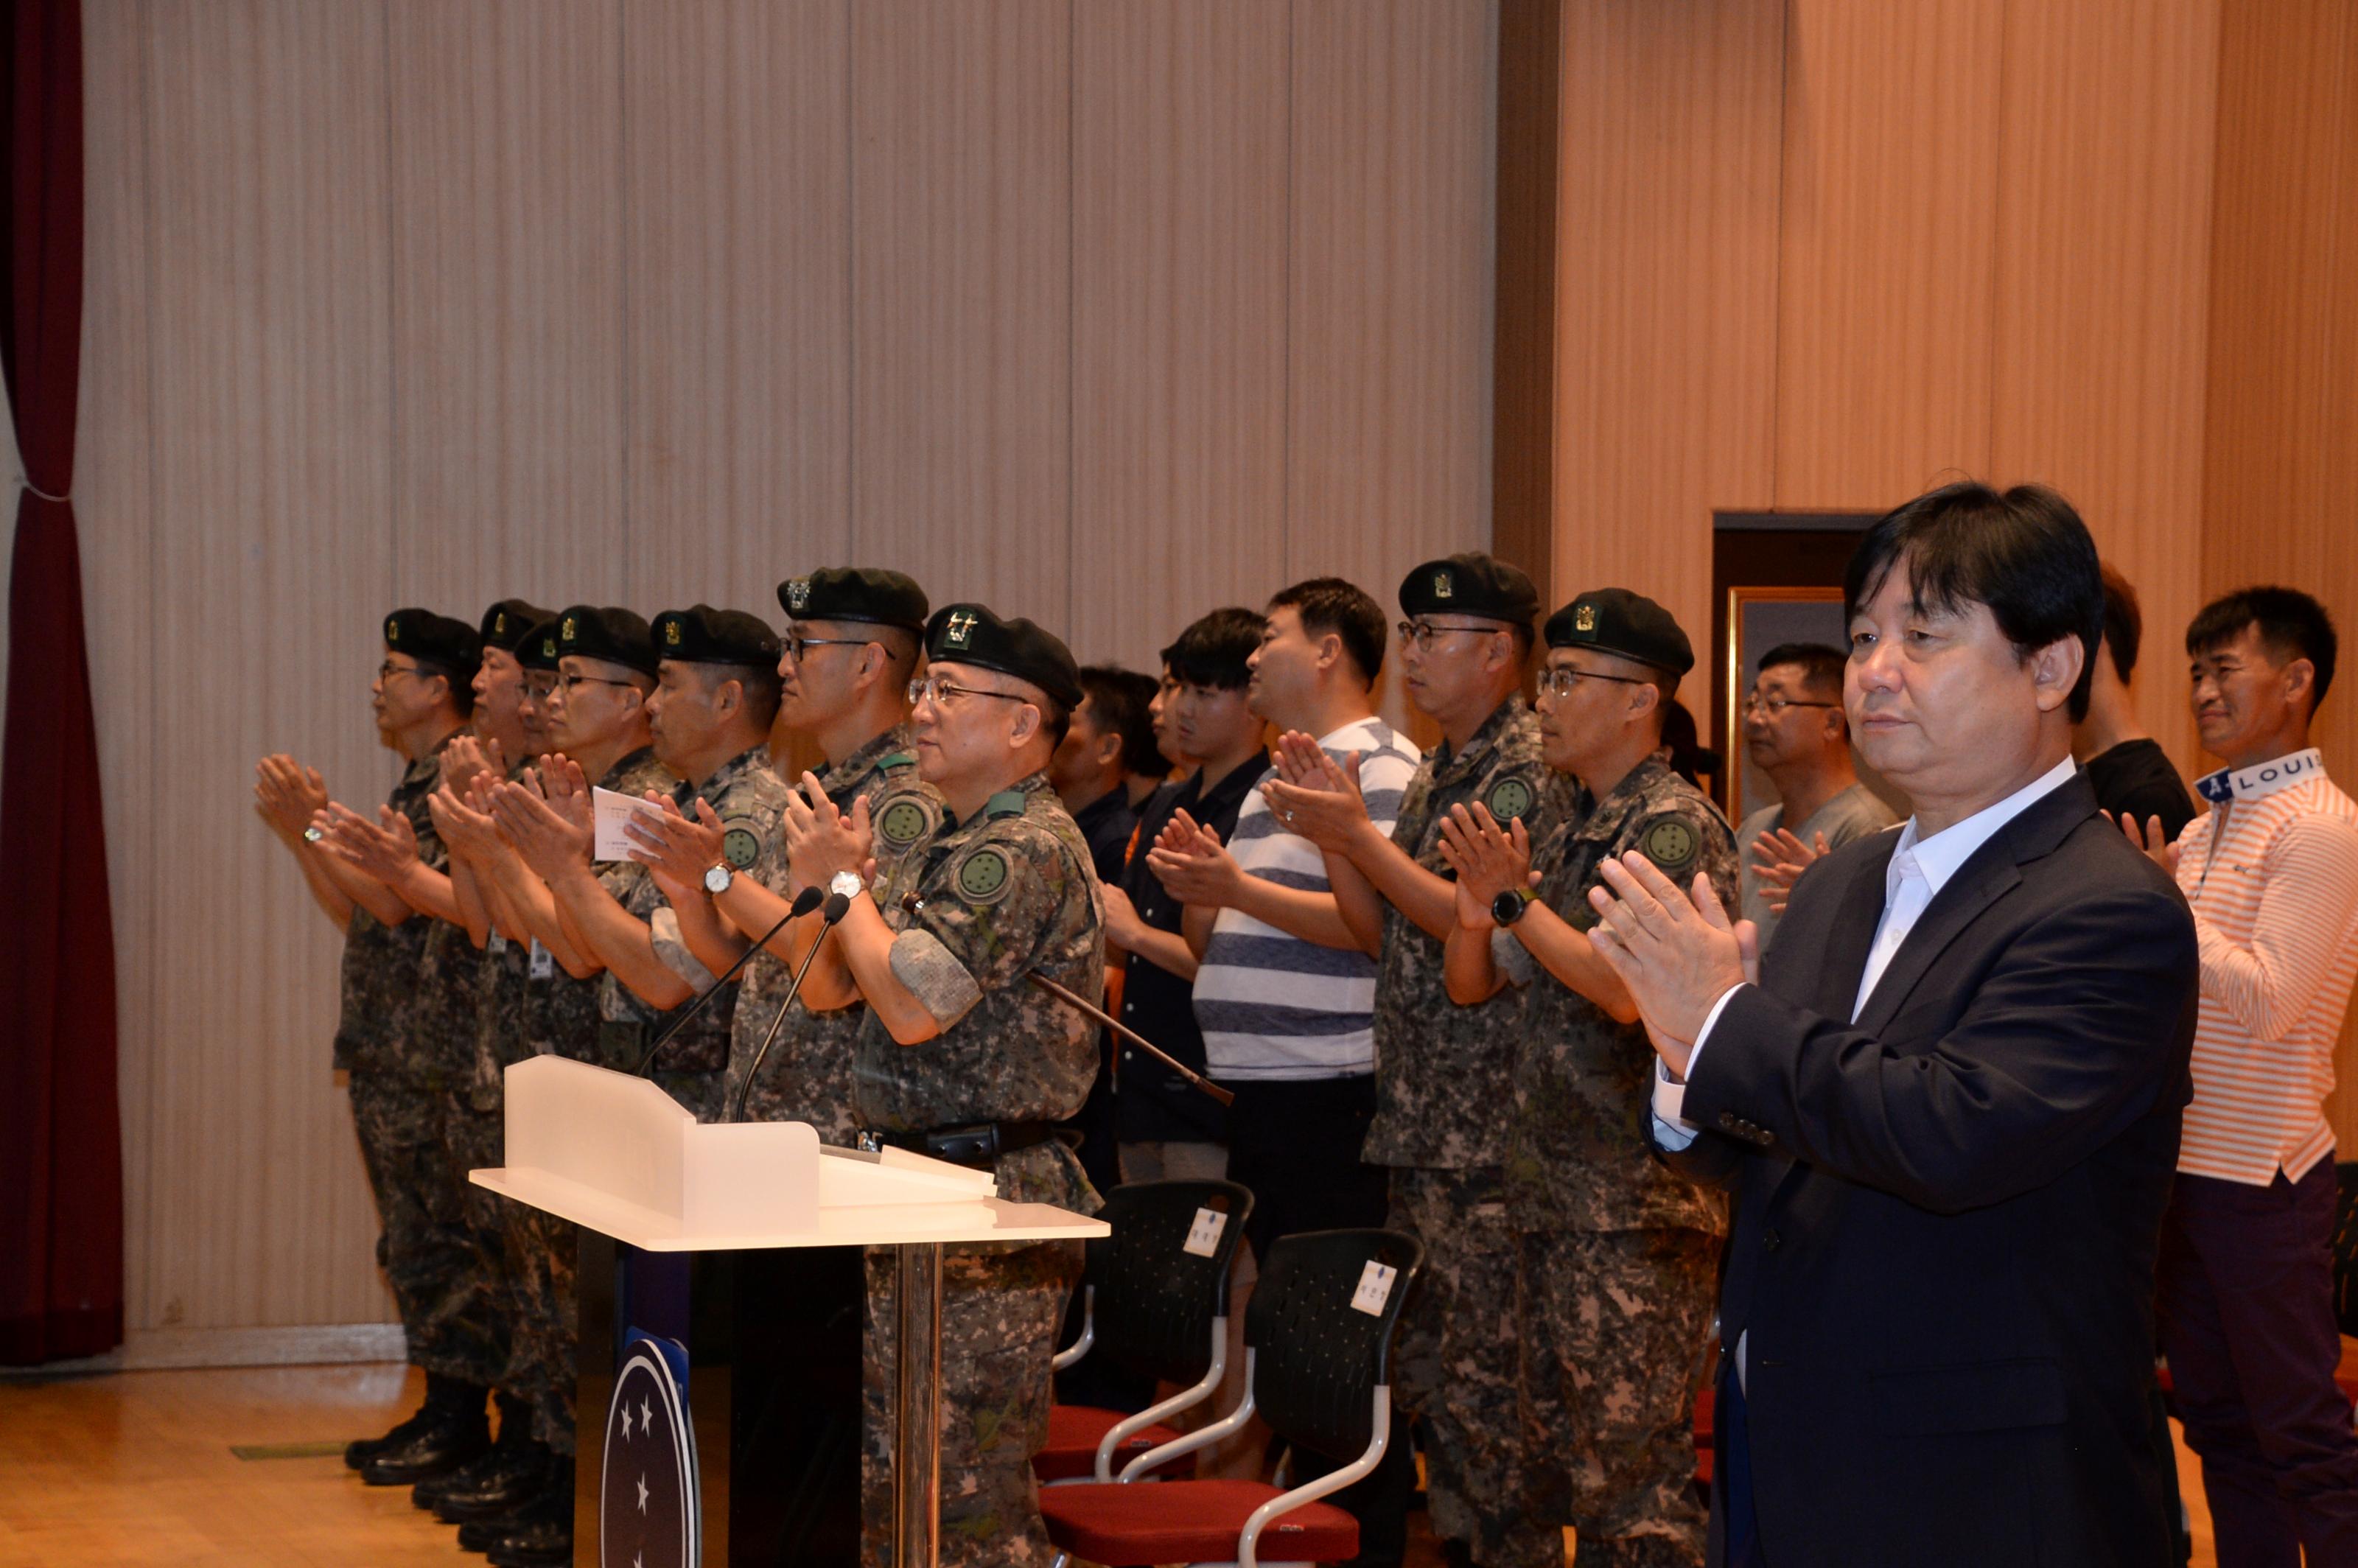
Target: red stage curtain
(61,1138)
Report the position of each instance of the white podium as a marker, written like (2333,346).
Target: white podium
(620,1158)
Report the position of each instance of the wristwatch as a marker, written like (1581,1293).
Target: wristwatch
(848,884)
(717,878)
(1508,907)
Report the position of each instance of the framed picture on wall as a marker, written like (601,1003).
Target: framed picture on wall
(1759,618)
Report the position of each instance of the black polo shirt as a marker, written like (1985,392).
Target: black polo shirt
(1152,1103)
(2135,776)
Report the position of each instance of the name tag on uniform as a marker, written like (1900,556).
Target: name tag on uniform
(544,966)
(1204,1236)
(1375,1287)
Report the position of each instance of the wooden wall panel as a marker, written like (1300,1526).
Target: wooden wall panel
(2104,219)
(1889,251)
(1389,430)
(116,515)
(506,125)
(2282,429)
(1179,318)
(961,309)
(267,290)
(1666,291)
(737,208)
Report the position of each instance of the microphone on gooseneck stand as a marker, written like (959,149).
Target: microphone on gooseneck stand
(805,901)
(836,906)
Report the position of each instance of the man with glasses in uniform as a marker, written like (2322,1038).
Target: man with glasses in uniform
(1442,1071)
(961,1057)
(1615,1255)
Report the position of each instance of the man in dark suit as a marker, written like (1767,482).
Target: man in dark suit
(1947,1099)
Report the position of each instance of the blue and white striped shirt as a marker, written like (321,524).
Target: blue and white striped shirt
(1274,1006)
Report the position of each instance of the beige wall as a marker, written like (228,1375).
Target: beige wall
(1105,311)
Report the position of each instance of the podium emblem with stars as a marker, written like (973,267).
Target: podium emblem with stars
(648,1504)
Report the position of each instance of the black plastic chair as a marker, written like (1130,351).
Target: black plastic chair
(1317,1346)
(1154,1308)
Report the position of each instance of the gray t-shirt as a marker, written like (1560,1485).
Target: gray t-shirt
(1853,814)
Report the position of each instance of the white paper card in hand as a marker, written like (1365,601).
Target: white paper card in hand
(610,810)
(544,962)
(1204,1236)
(1375,1287)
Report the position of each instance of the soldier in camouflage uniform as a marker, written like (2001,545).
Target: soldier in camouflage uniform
(961,1057)
(1617,1256)
(588,691)
(852,645)
(709,716)
(1442,1072)
(421,700)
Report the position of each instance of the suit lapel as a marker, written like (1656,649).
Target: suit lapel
(1977,884)
(1853,932)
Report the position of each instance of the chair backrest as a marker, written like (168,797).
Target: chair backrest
(1155,1299)
(2346,1246)
(1317,1356)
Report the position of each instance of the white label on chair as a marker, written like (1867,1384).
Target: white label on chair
(544,962)
(1375,1287)
(1204,1236)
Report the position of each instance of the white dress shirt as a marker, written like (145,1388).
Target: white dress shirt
(1920,869)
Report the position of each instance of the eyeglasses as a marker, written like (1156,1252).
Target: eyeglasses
(1774,706)
(796,643)
(388,670)
(1419,635)
(565,684)
(1560,679)
(539,687)
(938,691)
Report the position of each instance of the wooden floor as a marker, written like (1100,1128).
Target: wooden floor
(128,1469)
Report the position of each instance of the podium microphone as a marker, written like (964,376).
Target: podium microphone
(805,901)
(1226,1097)
(837,905)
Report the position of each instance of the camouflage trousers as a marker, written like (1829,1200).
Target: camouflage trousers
(1001,1310)
(544,1257)
(475,1139)
(1613,1329)
(423,1244)
(1456,1366)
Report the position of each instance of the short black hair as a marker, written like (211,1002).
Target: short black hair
(1212,650)
(1821,665)
(2123,623)
(2292,624)
(760,683)
(1328,604)
(2024,554)
(462,691)
(1118,698)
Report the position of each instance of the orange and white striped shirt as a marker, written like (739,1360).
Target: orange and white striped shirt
(2274,895)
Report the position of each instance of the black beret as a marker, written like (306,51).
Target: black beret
(539,649)
(610,633)
(971,634)
(1615,620)
(507,623)
(703,635)
(435,640)
(1470,584)
(855,593)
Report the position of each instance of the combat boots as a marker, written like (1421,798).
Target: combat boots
(452,1431)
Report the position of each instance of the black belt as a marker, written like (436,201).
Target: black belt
(979,1146)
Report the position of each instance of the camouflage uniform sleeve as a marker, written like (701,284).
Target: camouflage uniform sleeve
(1687,837)
(1544,821)
(996,909)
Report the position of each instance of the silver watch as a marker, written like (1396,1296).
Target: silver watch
(717,878)
(847,884)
